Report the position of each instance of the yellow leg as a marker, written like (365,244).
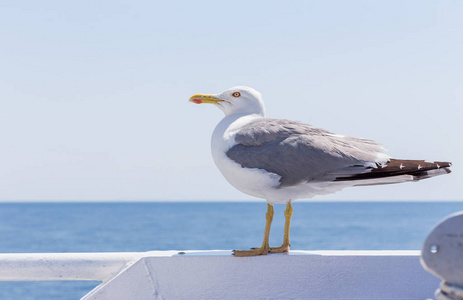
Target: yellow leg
(265,247)
(285,246)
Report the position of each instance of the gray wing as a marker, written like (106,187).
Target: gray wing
(300,153)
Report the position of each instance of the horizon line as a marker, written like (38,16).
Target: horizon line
(223,201)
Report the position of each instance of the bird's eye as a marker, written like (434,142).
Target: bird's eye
(236,94)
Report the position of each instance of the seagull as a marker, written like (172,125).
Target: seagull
(282,160)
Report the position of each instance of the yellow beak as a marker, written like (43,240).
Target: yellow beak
(202,98)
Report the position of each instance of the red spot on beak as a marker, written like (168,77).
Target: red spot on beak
(196,100)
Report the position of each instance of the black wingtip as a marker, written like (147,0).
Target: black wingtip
(396,167)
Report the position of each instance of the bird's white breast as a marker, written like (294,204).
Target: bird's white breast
(255,182)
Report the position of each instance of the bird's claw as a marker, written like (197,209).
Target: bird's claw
(281,249)
(252,252)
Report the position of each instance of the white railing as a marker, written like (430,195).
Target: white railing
(217,274)
(64,266)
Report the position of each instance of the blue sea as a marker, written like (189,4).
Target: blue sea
(100,227)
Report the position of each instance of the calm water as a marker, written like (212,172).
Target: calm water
(99,227)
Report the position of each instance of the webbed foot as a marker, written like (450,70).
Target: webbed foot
(252,252)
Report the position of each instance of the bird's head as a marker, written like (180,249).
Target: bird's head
(236,100)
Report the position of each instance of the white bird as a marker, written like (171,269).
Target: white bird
(282,160)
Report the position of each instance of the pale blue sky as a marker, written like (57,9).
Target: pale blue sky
(93,94)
